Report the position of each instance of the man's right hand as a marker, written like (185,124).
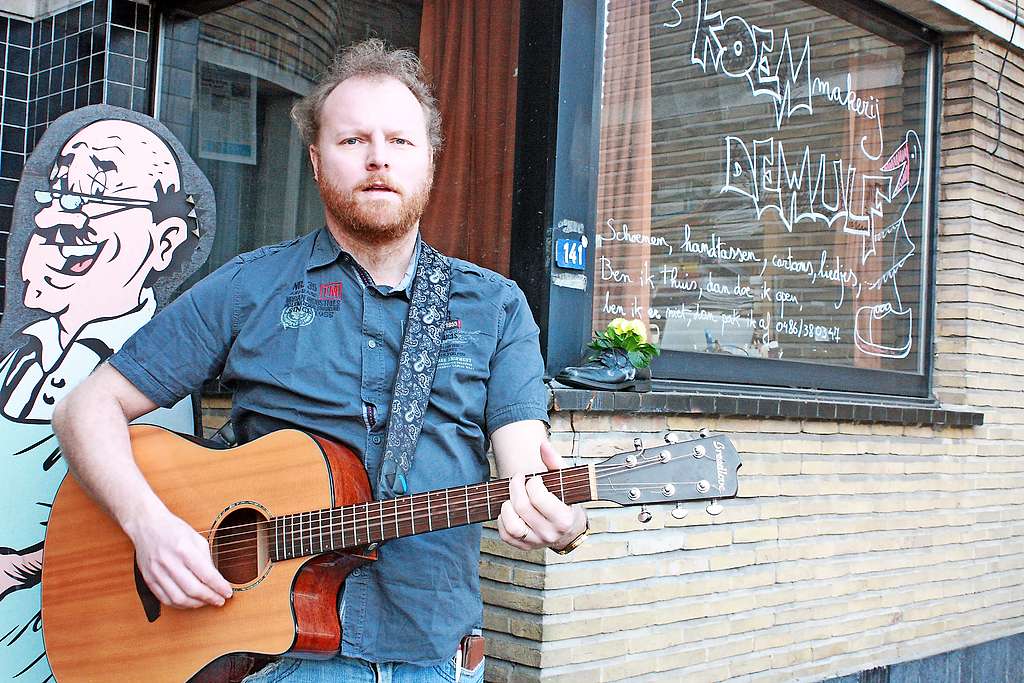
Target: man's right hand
(175,562)
(92,425)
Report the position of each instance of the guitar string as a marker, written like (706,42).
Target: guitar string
(492,484)
(492,492)
(228,559)
(355,519)
(304,539)
(306,543)
(239,557)
(398,514)
(483,491)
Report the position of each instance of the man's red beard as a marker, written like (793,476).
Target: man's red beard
(377,221)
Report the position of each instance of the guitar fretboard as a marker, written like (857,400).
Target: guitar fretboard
(319,531)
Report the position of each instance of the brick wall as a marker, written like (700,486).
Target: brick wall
(851,545)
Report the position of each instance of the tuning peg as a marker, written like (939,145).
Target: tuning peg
(679,511)
(704,432)
(638,445)
(645,515)
(671,437)
(714,508)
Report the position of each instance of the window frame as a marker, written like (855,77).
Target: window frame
(560,75)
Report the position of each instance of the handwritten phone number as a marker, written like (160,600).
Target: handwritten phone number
(798,328)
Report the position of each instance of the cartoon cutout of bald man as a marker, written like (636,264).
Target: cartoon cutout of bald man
(110,224)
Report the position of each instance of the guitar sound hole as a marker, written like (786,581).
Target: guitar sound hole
(239,546)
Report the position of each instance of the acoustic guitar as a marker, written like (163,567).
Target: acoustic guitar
(287,517)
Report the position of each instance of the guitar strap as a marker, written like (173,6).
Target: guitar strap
(417,364)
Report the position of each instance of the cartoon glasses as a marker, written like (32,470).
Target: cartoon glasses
(72,201)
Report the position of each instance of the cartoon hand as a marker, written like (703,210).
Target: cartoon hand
(20,570)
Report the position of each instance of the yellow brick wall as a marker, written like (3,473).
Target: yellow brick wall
(851,545)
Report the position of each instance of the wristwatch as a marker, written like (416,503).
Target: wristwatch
(574,543)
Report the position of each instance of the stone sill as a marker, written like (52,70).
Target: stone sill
(669,398)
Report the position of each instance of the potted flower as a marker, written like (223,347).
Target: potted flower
(619,360)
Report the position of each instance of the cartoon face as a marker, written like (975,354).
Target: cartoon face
(96,239)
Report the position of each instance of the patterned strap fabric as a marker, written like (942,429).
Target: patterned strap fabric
(417,362)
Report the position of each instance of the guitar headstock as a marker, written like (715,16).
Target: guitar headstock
(698,469)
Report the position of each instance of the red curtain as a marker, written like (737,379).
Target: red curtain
(470,51)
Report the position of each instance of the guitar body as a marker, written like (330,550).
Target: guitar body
(101,623)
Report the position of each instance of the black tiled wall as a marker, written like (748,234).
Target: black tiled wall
(93,53)
(15,44)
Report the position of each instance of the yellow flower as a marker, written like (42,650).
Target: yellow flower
(620,325)
(623,326)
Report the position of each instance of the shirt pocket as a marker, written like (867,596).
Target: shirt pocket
(463,368)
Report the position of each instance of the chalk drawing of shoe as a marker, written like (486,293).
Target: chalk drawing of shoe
(869,326)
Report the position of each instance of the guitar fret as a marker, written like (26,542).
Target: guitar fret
(398,531)
(561,484)
(296,538)
(277,540)
(330,534)
(487,493)
(380,505)
(448,508)
(430,515)
(466,491)
(366,509)
(320,530)
(412,512)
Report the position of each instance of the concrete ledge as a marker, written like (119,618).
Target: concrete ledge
(693,401)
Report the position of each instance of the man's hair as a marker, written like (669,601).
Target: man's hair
(373,60)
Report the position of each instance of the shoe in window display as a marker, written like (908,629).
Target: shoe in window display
(610,370)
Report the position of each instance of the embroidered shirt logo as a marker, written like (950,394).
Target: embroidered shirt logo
(330,291)
(297,316)
(453,343)
(308,300)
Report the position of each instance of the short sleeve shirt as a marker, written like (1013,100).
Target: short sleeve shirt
(305,339)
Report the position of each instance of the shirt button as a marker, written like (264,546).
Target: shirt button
(376,439)
(372,344)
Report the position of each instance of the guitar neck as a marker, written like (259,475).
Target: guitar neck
(318,531)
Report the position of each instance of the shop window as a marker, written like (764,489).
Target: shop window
(764,198)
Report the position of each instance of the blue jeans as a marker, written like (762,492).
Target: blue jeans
(349,670)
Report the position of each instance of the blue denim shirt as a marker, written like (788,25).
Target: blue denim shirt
(306,339)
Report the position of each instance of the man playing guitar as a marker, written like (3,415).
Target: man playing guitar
(310,333)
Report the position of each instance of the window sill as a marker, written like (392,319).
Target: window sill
(680,398)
